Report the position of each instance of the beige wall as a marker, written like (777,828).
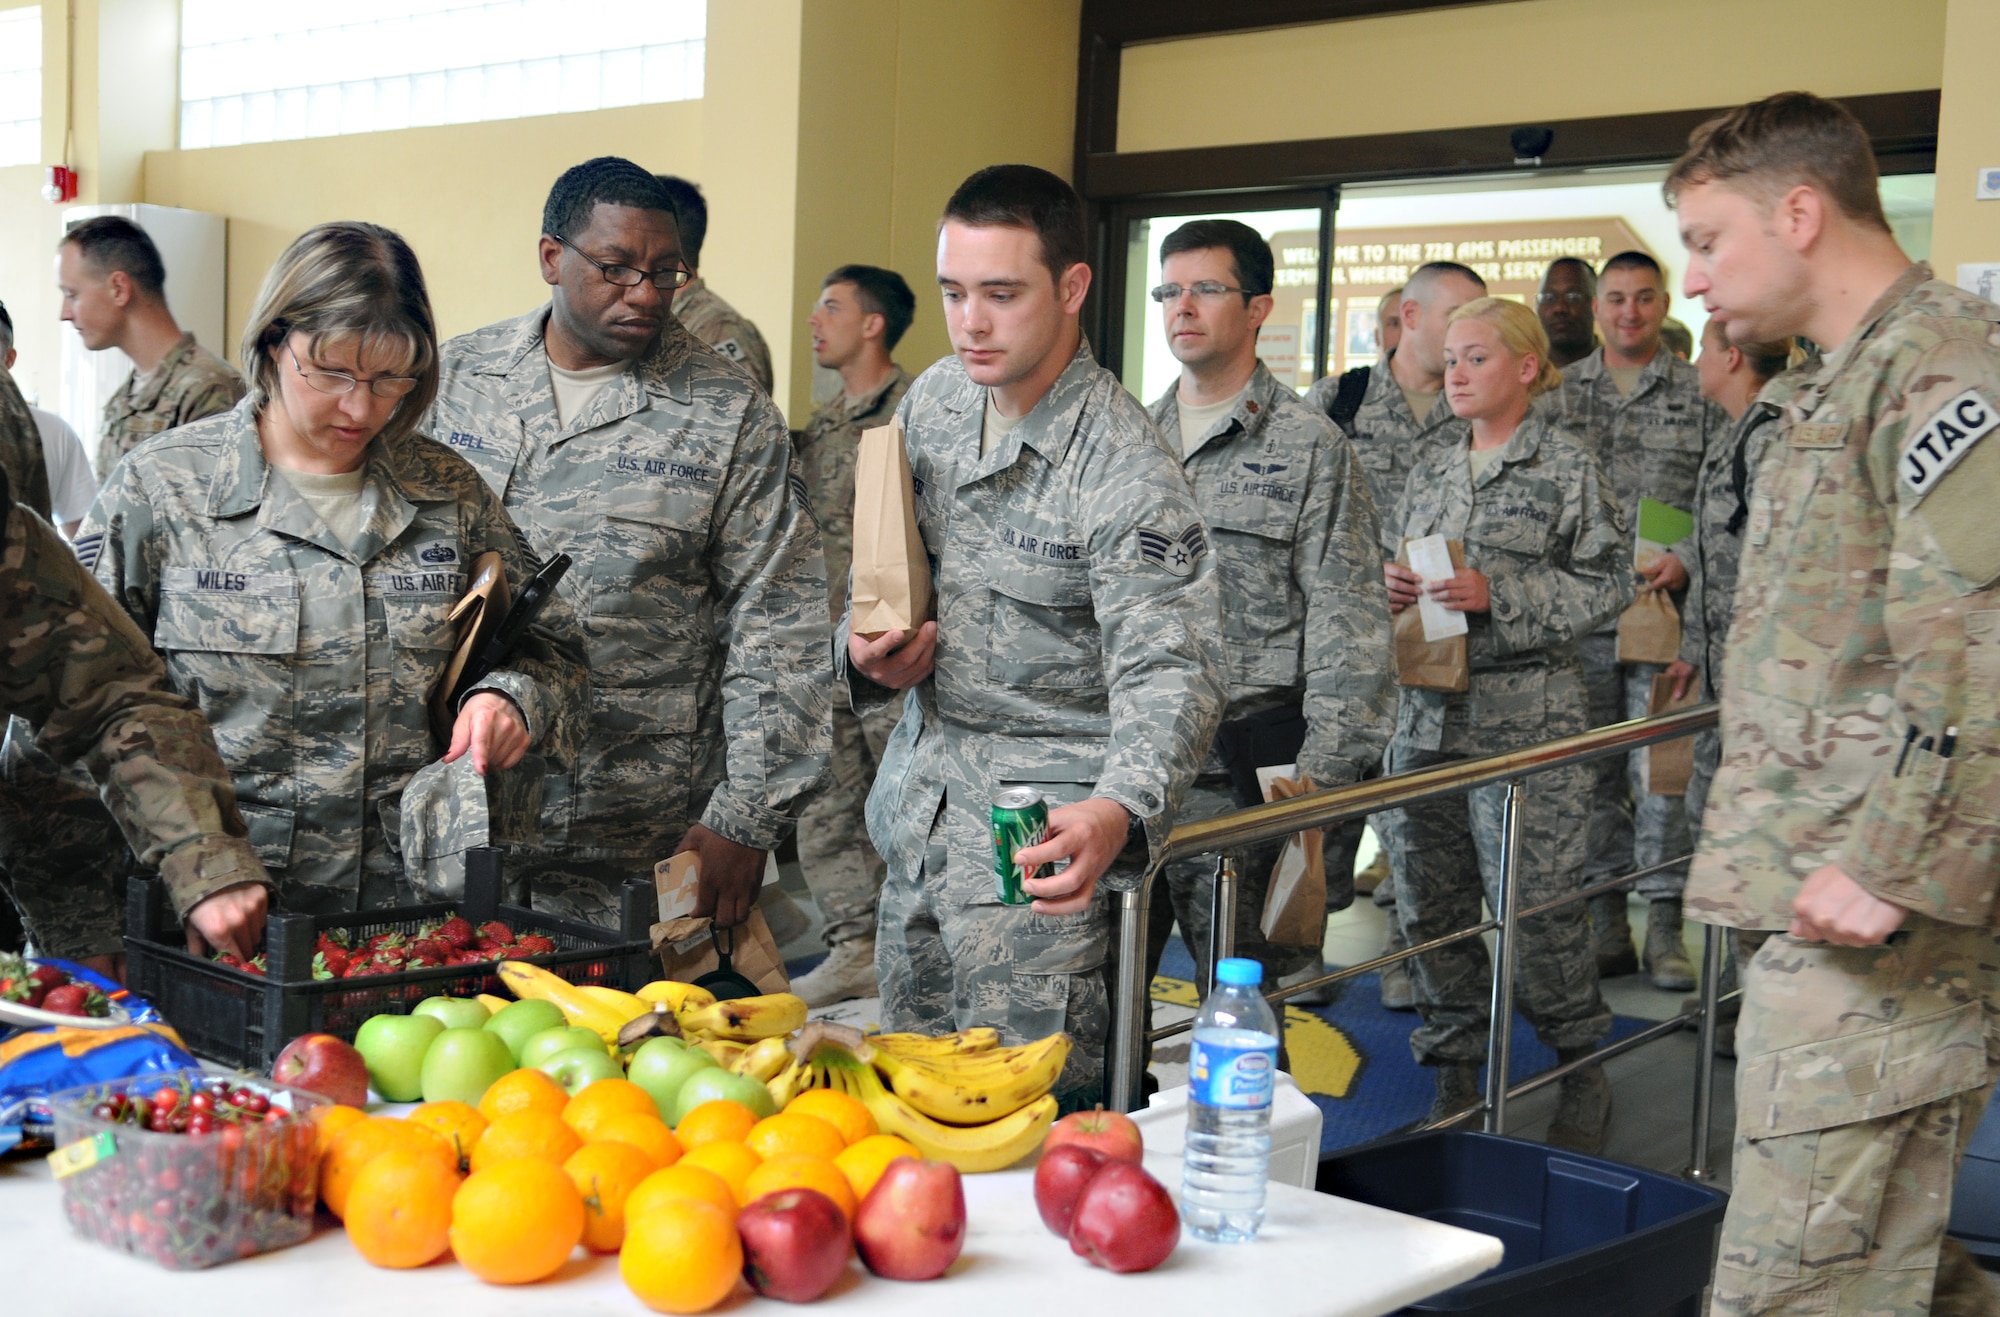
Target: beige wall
(1968,138)
(1522,62)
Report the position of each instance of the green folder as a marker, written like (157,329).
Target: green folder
(1660,525)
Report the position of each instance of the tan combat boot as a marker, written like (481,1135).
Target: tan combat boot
(847,972)
(1667,964)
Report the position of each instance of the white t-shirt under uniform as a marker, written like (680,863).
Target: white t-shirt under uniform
(72,486)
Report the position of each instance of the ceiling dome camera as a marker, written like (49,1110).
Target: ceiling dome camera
(1531,144)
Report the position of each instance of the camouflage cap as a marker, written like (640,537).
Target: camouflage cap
(444,814)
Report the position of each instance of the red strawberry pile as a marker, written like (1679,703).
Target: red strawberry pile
(49,988)
(439,943)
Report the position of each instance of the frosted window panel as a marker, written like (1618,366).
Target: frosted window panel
(255,71)
(21,86)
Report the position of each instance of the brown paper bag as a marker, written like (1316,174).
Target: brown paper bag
(1650,630)
(1295,902)
(892,578)
(686,944)
(1669,764)
(477,614)
(1435,665)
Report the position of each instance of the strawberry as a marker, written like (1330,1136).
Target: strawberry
(487,948)
(333,958)
(47,976)
(434,949)
(389,941)
(466,957)
(495,931)
(255,965)
(535,944)
(456,931)
(321,970)
(228,961)
(76,999)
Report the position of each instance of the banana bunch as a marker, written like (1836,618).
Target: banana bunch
(981,1110)
(676,994)
(744,1019)
(603,1011)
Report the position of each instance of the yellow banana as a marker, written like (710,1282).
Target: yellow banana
(724,1052)
(747,1019)
(964,1042)
(977,1088)
(993,1146)
(789,1082)
(532,982)
(676,994)
(632,1005)
(763,1059)
(493,1003)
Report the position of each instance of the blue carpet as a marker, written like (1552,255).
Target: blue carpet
(1353,1057)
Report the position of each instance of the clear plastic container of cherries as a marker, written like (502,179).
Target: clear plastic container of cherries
(188,1169)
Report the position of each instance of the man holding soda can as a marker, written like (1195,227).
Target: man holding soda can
(1076,658)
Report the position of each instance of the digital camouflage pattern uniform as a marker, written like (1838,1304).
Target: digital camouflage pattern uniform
(74,668)
(190,383)
(1305,622)
(724,328)
(1079,651)
(1650,443)
(315,660)
(1544,527)
(841,868)
(1866,605)
(697,584)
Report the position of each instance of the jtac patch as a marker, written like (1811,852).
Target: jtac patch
(1177,553)
(1946,438)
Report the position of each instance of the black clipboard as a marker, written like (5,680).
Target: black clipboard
(528,604)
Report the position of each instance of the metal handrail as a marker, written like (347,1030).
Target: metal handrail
(1268,822)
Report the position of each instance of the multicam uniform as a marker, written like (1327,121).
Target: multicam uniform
(21,458)
(841,868)
(1079,651)
(73,666)
(314,660)
(1305,622)
(697,584)
(190,383)
(1867,605)
(724,328)
(1542,525)
(1650,443)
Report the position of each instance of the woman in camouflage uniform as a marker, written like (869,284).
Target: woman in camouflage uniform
(1546,561)
(294,560)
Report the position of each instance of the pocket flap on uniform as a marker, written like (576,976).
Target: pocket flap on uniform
(645,711)
(1864,1076)
(220,612)
(419,621)
(1076,950)
(1048,584)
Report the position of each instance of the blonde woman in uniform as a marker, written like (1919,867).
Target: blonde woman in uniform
(1546,561)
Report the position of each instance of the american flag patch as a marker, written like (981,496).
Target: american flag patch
(88,549)
(1177,553)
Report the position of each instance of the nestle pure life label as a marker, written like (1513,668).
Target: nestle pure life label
(1234,1069)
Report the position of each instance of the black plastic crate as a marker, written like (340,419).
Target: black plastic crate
(1585,1237)
(1975,1202)
(244,1020)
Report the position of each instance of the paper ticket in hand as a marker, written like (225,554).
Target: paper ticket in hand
(1430,559)
(675,882)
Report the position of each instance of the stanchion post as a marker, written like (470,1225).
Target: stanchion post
(1713,941)
(1500,1030)
(1221,919)
(1132,1013)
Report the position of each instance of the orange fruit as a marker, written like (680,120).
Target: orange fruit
(792,1171)
(680,1181)
(516,1222)
(604,1099)
(399,1209)
(522,1090)
(864,1163)
(715,1122)
(534,1134)
(732,1161)
(606,1174)
(329,1121)
(363,1141)
(683,1256)
(791,1133)
(844,1113)
(649,1134)
(460,1124)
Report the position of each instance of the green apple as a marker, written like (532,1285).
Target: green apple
(662,1065)
(455,1012)
(717,1084)
(462,1063)
(548,1042)
(519,1021)
(579,1068)
(393,1047)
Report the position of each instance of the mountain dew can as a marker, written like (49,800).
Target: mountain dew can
(1020,820)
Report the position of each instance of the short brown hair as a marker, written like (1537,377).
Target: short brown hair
(1024,197)
(1768,147)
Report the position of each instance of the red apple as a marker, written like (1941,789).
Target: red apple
(1112,1133)
(795,1244)
(912,1224)
(323,1064)
(1059,1181)
(1125,1220)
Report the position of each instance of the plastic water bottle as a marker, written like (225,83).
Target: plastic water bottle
(1232,1070)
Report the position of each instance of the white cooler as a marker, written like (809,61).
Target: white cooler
(1295,1125)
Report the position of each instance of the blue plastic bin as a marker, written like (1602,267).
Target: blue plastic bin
(1585,1237)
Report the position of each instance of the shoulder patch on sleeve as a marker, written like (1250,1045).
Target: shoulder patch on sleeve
(1177,553)
(730,348)
(89,549)
(1944,440)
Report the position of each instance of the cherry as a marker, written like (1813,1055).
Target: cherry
(166,1099)
(201,1100)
